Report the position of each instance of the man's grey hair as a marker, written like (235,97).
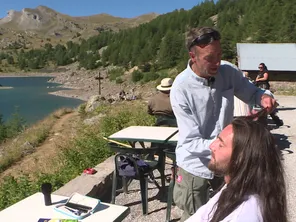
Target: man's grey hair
(194,33)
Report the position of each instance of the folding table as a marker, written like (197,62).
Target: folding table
(141,134)
(153,134)
(32,208)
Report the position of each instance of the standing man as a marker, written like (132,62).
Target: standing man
(202,100)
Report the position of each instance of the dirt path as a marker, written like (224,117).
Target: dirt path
(62,131)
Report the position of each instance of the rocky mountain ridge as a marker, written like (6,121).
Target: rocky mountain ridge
(31,27)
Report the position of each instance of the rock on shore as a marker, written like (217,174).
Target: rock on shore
(6,87)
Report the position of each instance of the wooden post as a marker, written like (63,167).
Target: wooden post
(99,83)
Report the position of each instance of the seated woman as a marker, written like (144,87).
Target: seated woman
(262,81)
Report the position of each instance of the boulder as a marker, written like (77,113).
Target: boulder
(93,120)
(27,148)
(92,103)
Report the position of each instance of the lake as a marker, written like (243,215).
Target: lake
(30,96)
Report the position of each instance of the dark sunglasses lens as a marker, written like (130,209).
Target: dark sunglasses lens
(207,38)
(204,40)
(216,35)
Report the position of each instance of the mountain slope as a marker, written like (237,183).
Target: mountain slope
(43,23)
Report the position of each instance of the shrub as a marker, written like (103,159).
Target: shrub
(13,126)
(115,73)
(146,67)
(150,77)
(13,190)
(131,114)
(3,134)
(137,76)
(81,109)
(119,80)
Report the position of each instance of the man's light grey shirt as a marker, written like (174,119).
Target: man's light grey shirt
(203,109)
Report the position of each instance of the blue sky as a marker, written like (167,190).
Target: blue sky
(120,8)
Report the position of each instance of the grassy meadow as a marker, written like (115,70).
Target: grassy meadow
(86,149)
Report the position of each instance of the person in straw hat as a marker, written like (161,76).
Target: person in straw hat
(160,106)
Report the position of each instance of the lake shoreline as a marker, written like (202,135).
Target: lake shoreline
(83,84)
(33,98)
(6,75)
(70,91)
(6,87)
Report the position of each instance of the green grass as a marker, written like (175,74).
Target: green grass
(86,150)
(15,150)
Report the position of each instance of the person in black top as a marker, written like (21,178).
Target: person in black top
(262,81)
(262,77)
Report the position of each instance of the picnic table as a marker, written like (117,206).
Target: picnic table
(141,134)
(32,208)
(159,137)
(153,134)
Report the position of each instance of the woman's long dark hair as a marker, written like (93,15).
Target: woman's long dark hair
(255,169)
(264,67)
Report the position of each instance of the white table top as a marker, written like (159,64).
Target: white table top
(144,134)
(32,208)
(174,139)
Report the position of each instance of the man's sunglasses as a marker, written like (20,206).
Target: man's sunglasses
(205,39)
(260,67)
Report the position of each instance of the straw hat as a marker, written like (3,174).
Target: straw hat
(165,84)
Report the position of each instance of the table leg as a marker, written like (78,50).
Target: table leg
(161,169)
(114,186)
(133,144)
(142,144)
(125,185)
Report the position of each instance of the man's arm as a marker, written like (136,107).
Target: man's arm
(150,111)
(189,137)
(249,93)
(265,77)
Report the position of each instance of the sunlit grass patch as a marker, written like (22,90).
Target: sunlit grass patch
(26,142)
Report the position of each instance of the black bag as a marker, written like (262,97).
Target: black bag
(126,166)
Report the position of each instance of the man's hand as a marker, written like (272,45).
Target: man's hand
(268,102)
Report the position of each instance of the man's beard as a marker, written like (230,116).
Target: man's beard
(218,169)
(202,71)
(212,72)
(205,73)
